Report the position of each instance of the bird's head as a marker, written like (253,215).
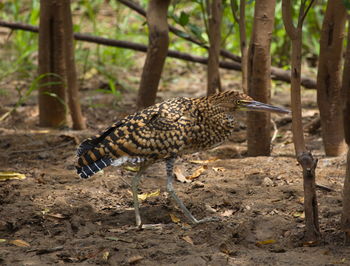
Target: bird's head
(235,101)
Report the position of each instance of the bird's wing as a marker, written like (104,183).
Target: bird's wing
(92,142)
(171,114)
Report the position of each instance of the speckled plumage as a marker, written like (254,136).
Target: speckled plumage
(173,127)
(164,131)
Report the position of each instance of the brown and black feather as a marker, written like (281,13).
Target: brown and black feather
(167,129)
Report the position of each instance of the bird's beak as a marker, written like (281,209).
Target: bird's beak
(247,105)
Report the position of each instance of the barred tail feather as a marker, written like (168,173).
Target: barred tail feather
(87,171)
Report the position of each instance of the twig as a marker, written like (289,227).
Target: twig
(45,250)
(275,132)
(322,187)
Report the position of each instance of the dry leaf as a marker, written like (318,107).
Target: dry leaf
(299,215)
(226,213)
(174,218)
(310,243)
(2,240)
(219,169)
(132,168)
(134,259)
(204,161)
(90,73)
(301,200)
(266,242)
(180,176)
(55,215)
(105,255)
(197,172)
(144,196)
(188,239)
(20,243)
(11,175)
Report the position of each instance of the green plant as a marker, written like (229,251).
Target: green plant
(23,95)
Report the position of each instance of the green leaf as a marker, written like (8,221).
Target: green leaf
(184,18)
(347,4)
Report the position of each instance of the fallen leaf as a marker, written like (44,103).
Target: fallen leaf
(2,240)
(219,169)
(301,200)
(226,213)
(45,211)
(90,73)
(20,243)
(174,218)
(132,168)
(180,176)
(134,259)
(188,239)
(226,249)
(144,196)
(299,215)
(266,242)
(11,176)
(210,160)
(200,170)
(55,215)
(105,255)
(310,243)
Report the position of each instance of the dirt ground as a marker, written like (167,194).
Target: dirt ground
(57,218)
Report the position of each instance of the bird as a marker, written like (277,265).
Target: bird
(163,132)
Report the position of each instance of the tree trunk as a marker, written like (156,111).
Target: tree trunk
(346,111)
(305,158)
(243,41)
(71,73)
(52,111)
(157,51)
(259,64)
(244,46)
(57,66)
(213,75)
(329,78)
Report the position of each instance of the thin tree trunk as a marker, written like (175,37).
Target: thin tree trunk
(305,158)
(259,69)
(346,111)
(213,75)
(243,41)
(329,78)
(157,51)
(244,46)
(71,73)
(52,111)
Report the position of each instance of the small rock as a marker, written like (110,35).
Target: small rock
(43,155)
(197,184)
(267,182)
(135,259)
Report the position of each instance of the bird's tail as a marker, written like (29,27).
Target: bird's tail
(92,158)
(87,171)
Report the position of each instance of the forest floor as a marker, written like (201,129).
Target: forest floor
(53,217)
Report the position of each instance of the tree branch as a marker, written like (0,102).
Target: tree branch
(288,19)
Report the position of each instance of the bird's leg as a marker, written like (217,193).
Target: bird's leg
(171,191)
(135,184)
